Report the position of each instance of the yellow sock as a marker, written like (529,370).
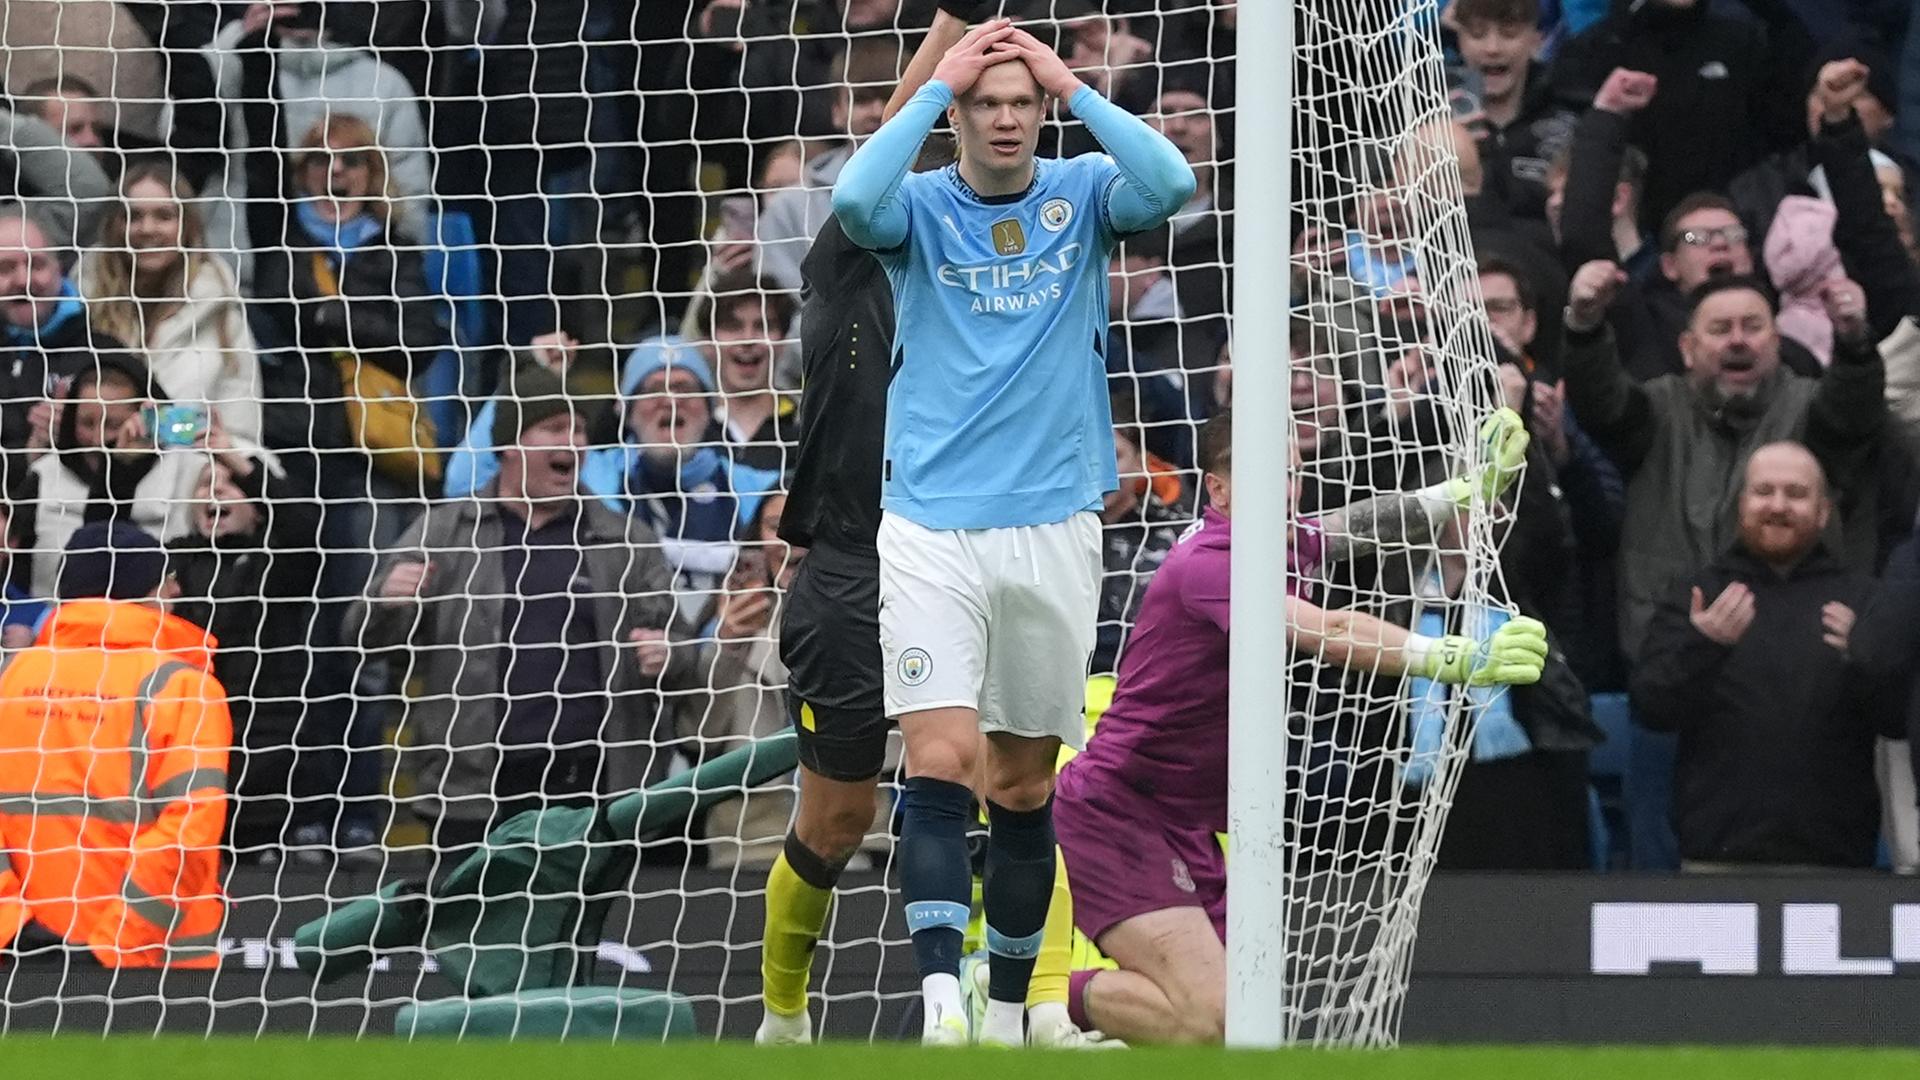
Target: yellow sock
(796,916)
(1055,962)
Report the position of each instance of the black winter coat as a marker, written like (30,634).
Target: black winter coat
(256,594)
(1776,750)
(384,314)
(1516,158)
(533,77)
(28,373)
(1725,100)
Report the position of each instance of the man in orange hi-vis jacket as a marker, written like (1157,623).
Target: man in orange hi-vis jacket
(113,766)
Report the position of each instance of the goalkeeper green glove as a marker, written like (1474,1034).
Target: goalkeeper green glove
(1503,446)
(1513,656)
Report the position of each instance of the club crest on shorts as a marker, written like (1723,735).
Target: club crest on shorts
(915,666)
(1182,877)
(1008,237)
(1057,214)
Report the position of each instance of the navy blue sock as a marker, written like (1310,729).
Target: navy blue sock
(1018,888)
(934,875)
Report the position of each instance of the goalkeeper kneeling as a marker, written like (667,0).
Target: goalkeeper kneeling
(1136,815)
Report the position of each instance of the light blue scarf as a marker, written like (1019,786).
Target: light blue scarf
(1496,737)
(341,236)
(69,307)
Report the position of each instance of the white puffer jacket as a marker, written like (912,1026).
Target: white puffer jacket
(203,353)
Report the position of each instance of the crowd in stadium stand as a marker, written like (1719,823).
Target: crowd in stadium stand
(417,263)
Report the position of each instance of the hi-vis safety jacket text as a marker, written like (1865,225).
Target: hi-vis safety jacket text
(113,786)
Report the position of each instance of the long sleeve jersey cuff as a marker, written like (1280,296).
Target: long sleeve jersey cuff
(1155,179)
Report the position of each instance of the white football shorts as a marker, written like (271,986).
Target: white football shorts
(998,620)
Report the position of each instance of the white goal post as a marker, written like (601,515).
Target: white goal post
(1344,118)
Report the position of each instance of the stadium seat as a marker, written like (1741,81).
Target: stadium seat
(454,269)
(1615,717)
(1647,795)
(1606,771)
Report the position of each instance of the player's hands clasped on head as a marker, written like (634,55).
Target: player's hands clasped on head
(1048,69)
(984,46)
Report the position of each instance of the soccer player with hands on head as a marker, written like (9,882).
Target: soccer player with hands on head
(998,452)
(829,633)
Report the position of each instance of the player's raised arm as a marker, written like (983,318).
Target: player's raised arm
(1415,517)
(1155,180)
(949,27)
(866,197)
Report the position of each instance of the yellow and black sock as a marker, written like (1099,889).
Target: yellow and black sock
(1052,967)
(799,892)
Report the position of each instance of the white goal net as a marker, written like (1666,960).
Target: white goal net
(274,278)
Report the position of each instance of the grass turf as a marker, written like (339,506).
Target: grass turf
(332,1059)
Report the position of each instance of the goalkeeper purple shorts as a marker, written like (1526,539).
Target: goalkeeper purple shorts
(1122,861)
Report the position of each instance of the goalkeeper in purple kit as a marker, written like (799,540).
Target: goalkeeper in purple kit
(1137,814)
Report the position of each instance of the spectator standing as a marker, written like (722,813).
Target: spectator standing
(151,283)
(1595,191)
(44,337)
(864,75)
(1853,85)
(1138,527)
(743,671)
(1156,355)
(1724,99)
(745,321)
(1562,557)
(107,463)
(115,730)
(671,469)
(536,621)
(541,91)
(1681,442)
(283,69)
(353,299)
(246,572)
(1751,661)
(1521,129)
(1838,165)
(1184,114)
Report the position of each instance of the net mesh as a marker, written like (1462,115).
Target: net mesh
(268,269)
(1393,342)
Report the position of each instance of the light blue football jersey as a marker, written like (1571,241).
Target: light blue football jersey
(998,412)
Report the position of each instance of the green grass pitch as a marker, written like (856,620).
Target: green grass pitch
(331,1059)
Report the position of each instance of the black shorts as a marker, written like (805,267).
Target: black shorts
(830,642)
